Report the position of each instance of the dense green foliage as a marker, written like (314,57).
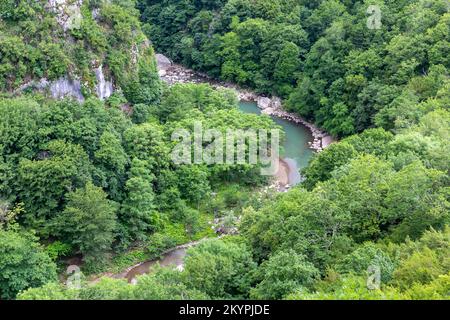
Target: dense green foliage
(95,179)
(412,270)
(92,179)
(320,55)
(34,45)
(23,262)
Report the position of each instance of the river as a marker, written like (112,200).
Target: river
(174,258)
(296,152)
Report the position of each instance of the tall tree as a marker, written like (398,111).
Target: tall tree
(88,222)
(138,214)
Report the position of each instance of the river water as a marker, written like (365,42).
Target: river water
(174,258)
(296,152)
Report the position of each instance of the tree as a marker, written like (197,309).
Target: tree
(414,198)
(436,290)
(341,123)
(286,68)
(49,291)
(365,256)
(359,188)
(422,267)
(193,183)
(142,112)
(23,263)
(147,142)
(219,269)
(42,183)
(323,164)
(138,214)
(107,289)
(282,274)
(112,160)
(18,126)
(372,141)
(350,288)
(166,284)
(88,222)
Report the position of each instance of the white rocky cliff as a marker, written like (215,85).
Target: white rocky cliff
(68,13)
(65,87)
(69,17)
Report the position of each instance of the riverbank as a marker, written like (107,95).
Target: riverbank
(173,73)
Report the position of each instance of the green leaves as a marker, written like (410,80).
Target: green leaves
(323,164)
(88,222)
(23,263)
(42,183)
(138,212)
(219,269)
(282,274)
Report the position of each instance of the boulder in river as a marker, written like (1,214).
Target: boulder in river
(163,62)
(269,111)
(263,102)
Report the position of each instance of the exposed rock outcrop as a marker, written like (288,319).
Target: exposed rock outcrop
(163,62)
(263,102)
(78,77)
(66,87)
(68,13)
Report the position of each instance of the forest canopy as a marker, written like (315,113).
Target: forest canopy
(318,55)
(90,179)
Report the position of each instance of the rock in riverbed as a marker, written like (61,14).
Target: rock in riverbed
(163,62)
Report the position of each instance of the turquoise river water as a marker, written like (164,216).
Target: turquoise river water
(296,152)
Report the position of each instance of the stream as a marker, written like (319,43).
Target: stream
(174,258)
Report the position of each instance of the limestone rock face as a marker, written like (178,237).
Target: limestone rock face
(99,78)
(276,103)
(269,111)
(104,88)
(65,87)
(68,13)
